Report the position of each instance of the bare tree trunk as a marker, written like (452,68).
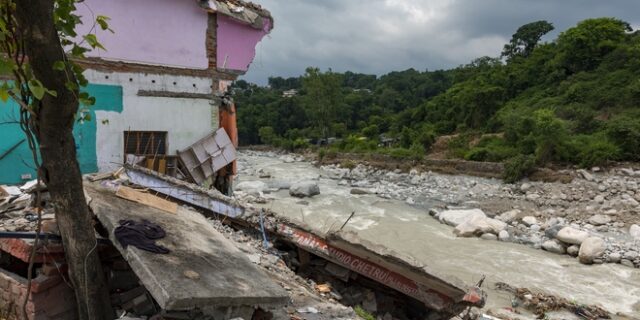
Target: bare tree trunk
(60,169)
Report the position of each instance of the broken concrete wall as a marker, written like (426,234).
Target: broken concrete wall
(153,102)
(237,43)
(16,166)
(51,296)
(158,32)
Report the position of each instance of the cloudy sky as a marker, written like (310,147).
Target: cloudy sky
(378,36)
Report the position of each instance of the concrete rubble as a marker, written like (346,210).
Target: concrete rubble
(435,292)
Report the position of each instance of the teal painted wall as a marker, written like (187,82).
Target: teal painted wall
(19,161)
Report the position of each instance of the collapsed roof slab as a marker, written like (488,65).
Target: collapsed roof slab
(203,269)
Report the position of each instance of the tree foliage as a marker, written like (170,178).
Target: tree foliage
(573,100)
(526,39)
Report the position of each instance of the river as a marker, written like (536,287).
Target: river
(410,230)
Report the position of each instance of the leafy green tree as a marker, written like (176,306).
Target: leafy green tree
(526,39)
(267,135)
(46,87)
(324,98)
(584,46)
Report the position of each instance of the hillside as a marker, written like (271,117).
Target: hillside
(574,100)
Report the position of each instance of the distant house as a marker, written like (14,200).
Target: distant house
(158,85)
(289,93)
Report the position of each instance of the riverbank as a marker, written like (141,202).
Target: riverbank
(602,204)
(392,208)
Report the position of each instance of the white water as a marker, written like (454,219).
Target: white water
(410,230)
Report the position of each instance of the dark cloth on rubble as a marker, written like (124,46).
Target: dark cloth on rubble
(142,235)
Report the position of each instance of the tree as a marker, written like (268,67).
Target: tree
(584,46)
(526,39)
(324,99)
(46,87)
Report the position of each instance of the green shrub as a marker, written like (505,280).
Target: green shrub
(321,154)
(593,150)
(300,143)
(624,131)
(363,313)
(347,164)
(492,149)
(518,167)
(371,131)
(267,135)
(459,145)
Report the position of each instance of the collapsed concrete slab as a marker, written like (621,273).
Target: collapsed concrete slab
(203,270)
(403,274)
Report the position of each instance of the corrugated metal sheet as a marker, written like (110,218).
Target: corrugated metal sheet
(210,154)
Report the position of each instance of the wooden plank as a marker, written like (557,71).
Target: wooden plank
(162,166)
(150,164)
(147,199)
(101,176)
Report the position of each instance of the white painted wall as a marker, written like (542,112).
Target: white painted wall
(185,120)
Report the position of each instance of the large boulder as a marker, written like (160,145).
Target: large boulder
(529,221)
(252,186)
(590,249)
(479,225)
(571,235)
(304,189)
(457,217)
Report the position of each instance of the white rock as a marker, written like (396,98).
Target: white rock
(525,187)
(586,175)
(599,219)
(503,235)
(599,199)
(508,216)
(591,248)
(553,246)
(249,186)
(615,257)
(479,225)
(456,217)
(572,236)
(533,196)
(634,231)
(628,171)
(488,236)
(529,220)
(304,189)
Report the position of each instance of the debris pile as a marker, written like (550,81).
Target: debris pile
(18,208)
(541,304)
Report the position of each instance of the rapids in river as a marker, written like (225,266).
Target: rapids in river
(410,230)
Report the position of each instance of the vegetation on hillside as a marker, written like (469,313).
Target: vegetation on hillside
(575,100)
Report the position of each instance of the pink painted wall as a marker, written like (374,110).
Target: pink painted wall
(163,32)
(237,43)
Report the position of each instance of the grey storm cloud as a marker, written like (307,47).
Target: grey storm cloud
(379,36)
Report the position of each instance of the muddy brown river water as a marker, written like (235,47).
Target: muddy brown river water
(410,230)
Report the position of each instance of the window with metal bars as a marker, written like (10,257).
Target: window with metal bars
(145,142)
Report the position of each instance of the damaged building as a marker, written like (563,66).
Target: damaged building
(160,85)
